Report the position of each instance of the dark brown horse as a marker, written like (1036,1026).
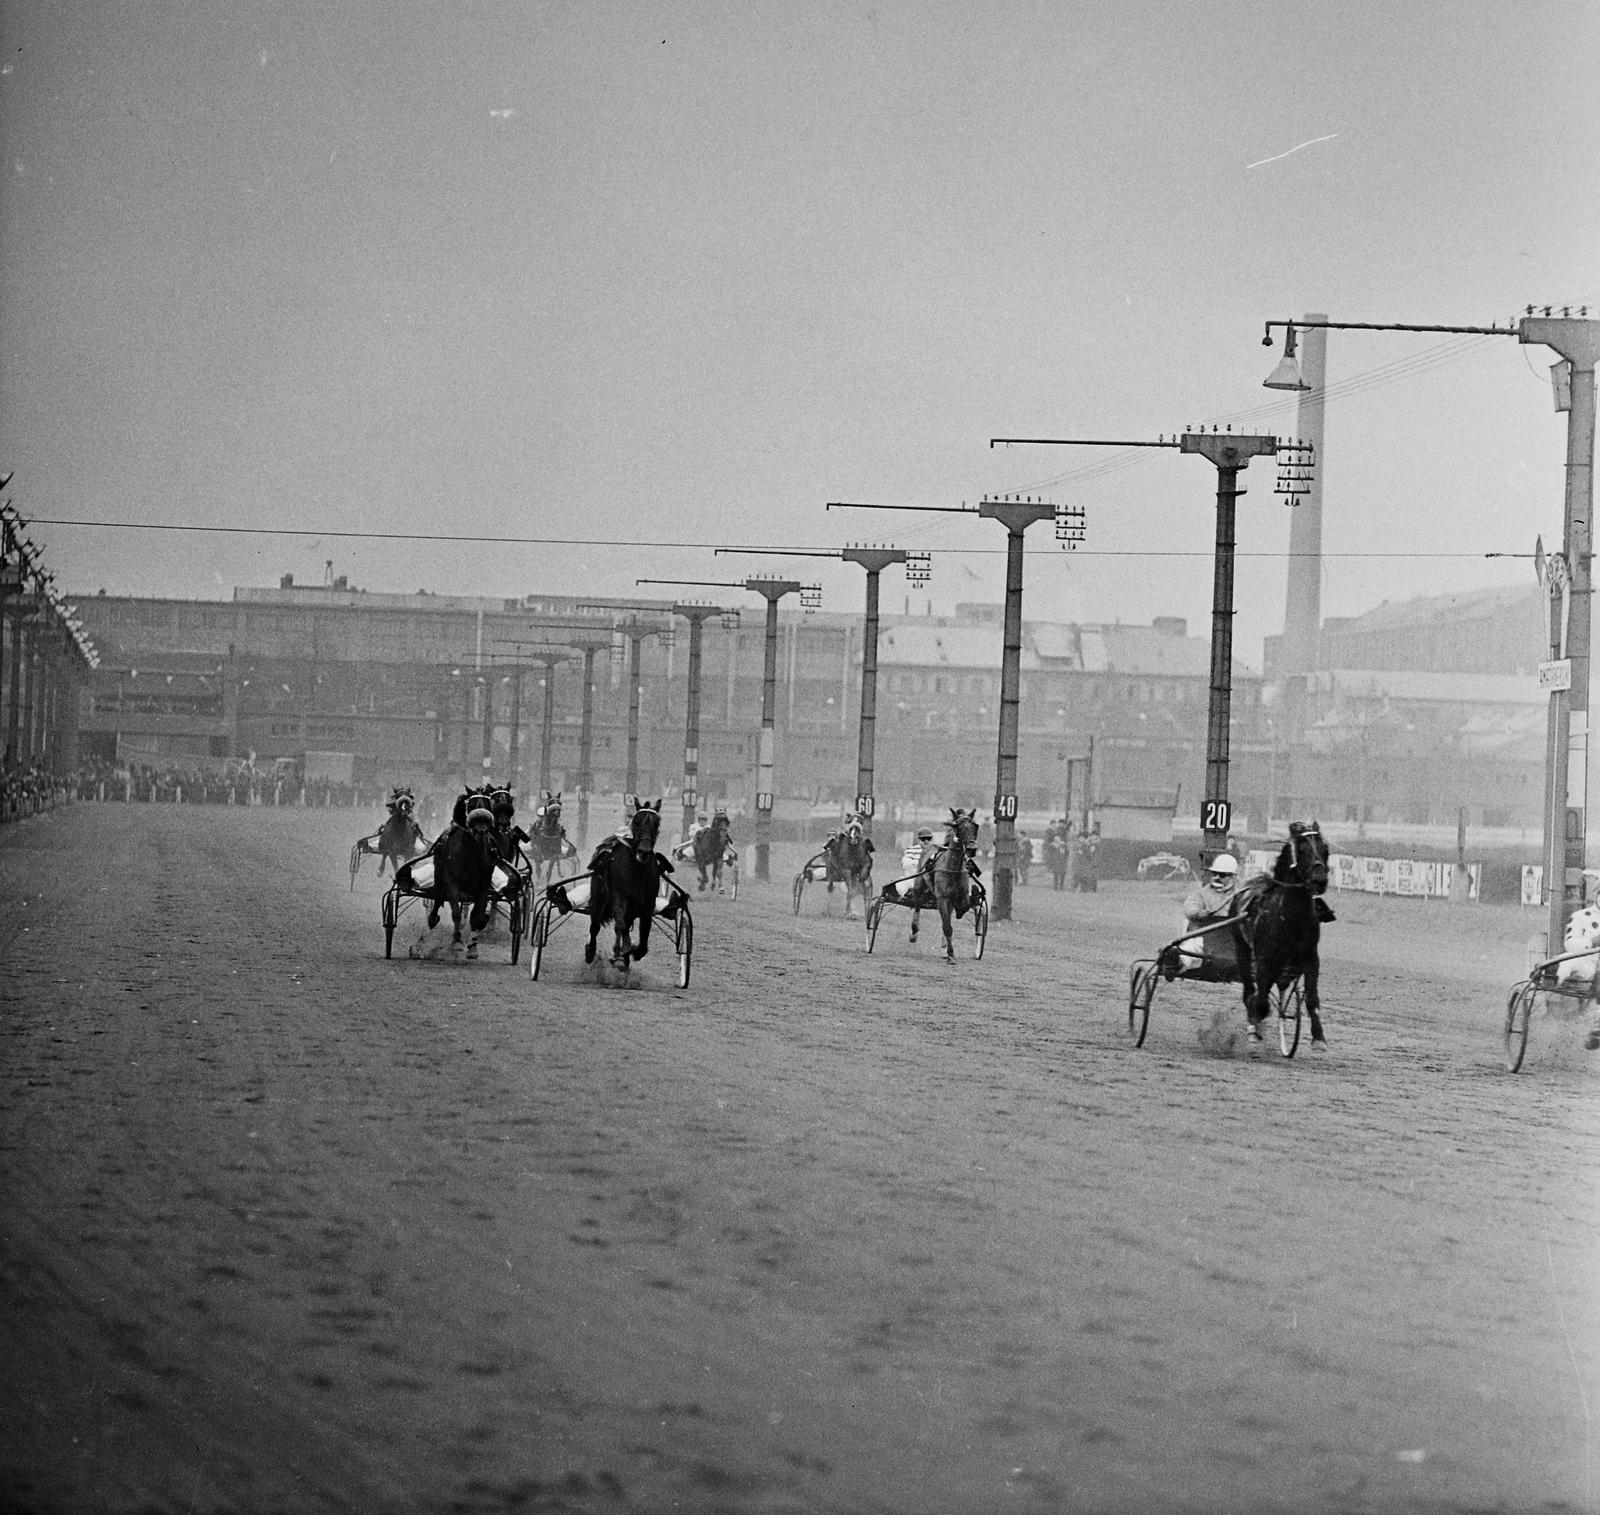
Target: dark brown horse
(949,870)
(1277,941)
(464,860)
(711,851)
(397,841)
(626,878)
(547,844)
(849,859)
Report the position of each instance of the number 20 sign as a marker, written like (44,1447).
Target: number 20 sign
(1215,815)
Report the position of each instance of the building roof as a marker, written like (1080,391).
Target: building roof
(1437,609)
(1507,689)
(911,644)
(1156,653)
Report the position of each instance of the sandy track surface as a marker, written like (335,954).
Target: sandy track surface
(291,1227)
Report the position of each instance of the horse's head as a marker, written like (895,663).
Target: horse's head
(963,830)
(645,827)
(480,822)
(504,806)
(1304,858)
(855,832)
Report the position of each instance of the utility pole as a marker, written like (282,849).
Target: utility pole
(772,590)
(874,560)
(589,645)
(1016,516)
(486,683)
(635,631)
(1566,673)
(1231,456)
(548,659)
(697,616)
(516,729)
(1566,822)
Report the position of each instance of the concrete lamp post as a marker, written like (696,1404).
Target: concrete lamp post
(1566,576)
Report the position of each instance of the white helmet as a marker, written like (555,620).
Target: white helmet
(1224,864)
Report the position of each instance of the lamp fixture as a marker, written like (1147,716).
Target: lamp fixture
(1287,374)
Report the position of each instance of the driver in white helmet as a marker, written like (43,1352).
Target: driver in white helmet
(1211,900)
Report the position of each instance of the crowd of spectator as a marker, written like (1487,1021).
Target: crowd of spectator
(26,791)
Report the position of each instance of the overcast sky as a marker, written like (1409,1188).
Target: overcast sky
(687,272)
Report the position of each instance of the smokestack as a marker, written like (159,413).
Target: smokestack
(1302,611)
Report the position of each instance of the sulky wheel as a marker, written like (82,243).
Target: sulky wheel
(1287,1004)
(391,917)
(1519,1010)
(1142,981)
(518,922)
(874,917)
(733,882)
(355,865)
(799,889)
(538,935)
(980,926)
(685,945)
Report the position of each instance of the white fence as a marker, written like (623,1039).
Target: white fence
(1384,875)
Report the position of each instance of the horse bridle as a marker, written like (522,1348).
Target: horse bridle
(642,848)
(1300,881)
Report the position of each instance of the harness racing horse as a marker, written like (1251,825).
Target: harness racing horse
(711,849)
(397,841)
(948,870)
(849,862)
(510,837)
(1277,940)
(626,879)
(547,843)
(464,860)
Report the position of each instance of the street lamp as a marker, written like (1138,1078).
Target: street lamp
(1566,674)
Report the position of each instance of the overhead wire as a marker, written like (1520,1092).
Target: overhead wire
(1440,355)
(625,542)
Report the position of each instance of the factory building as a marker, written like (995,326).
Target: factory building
(418,688)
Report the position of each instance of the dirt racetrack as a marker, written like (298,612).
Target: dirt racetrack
(291,1227)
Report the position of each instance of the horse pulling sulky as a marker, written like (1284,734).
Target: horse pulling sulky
(474,865)
(397,841)
(1573,976)
(1266,942)
(846,858)
(627,886)
(947,881)
(547,845)
(712,851)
